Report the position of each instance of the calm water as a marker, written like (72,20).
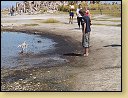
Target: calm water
(11,40)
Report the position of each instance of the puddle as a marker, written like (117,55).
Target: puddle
(37,45)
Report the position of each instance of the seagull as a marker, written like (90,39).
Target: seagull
(23,46)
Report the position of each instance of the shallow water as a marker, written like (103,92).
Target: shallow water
(36,43)
(10,52)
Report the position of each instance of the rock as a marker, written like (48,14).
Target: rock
(34,77)
(20,79)
(34,6)
(39,41)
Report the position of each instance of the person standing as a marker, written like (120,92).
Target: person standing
(86,29)
(71,13)
(12,10)
(79,17)
(87,13)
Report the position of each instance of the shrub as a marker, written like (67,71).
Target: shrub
(63,8)
(42,10)
(30,24)
(114,10)
(51,20)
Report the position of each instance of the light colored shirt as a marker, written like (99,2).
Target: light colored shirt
(77,11)
(72,7)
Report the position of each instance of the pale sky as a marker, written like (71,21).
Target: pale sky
(5,4)
(119,2)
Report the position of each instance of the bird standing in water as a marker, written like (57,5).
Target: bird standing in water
(23,46)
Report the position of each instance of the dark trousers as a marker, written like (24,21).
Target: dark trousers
(79,21)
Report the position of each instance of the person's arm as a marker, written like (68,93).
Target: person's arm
(84,27)
(77,12)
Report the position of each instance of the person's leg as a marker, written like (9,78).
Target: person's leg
(86,44)
(79,22)
(86,51)
(11,13)
(69,19)
(77,19)
(89,39)
(72,20)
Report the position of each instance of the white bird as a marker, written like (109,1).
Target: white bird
(23,46)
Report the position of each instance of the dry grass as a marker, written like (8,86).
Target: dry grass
(117,25)
(5,12)
(31,24)
(51,20)
(106,20)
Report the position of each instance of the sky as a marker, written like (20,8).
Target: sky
(119,2)
(8,4)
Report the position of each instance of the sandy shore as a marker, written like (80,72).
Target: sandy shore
(100,71)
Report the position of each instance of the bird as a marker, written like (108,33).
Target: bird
(24,46)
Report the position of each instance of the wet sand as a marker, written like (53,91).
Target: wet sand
(100,71)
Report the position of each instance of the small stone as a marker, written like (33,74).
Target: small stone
(20,79)
(34,77)
(30,74)
(64,80)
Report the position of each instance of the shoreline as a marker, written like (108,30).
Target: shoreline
(65,46)
(93,73)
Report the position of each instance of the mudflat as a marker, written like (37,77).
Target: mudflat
(100,71)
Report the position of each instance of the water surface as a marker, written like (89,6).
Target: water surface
(37,44)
